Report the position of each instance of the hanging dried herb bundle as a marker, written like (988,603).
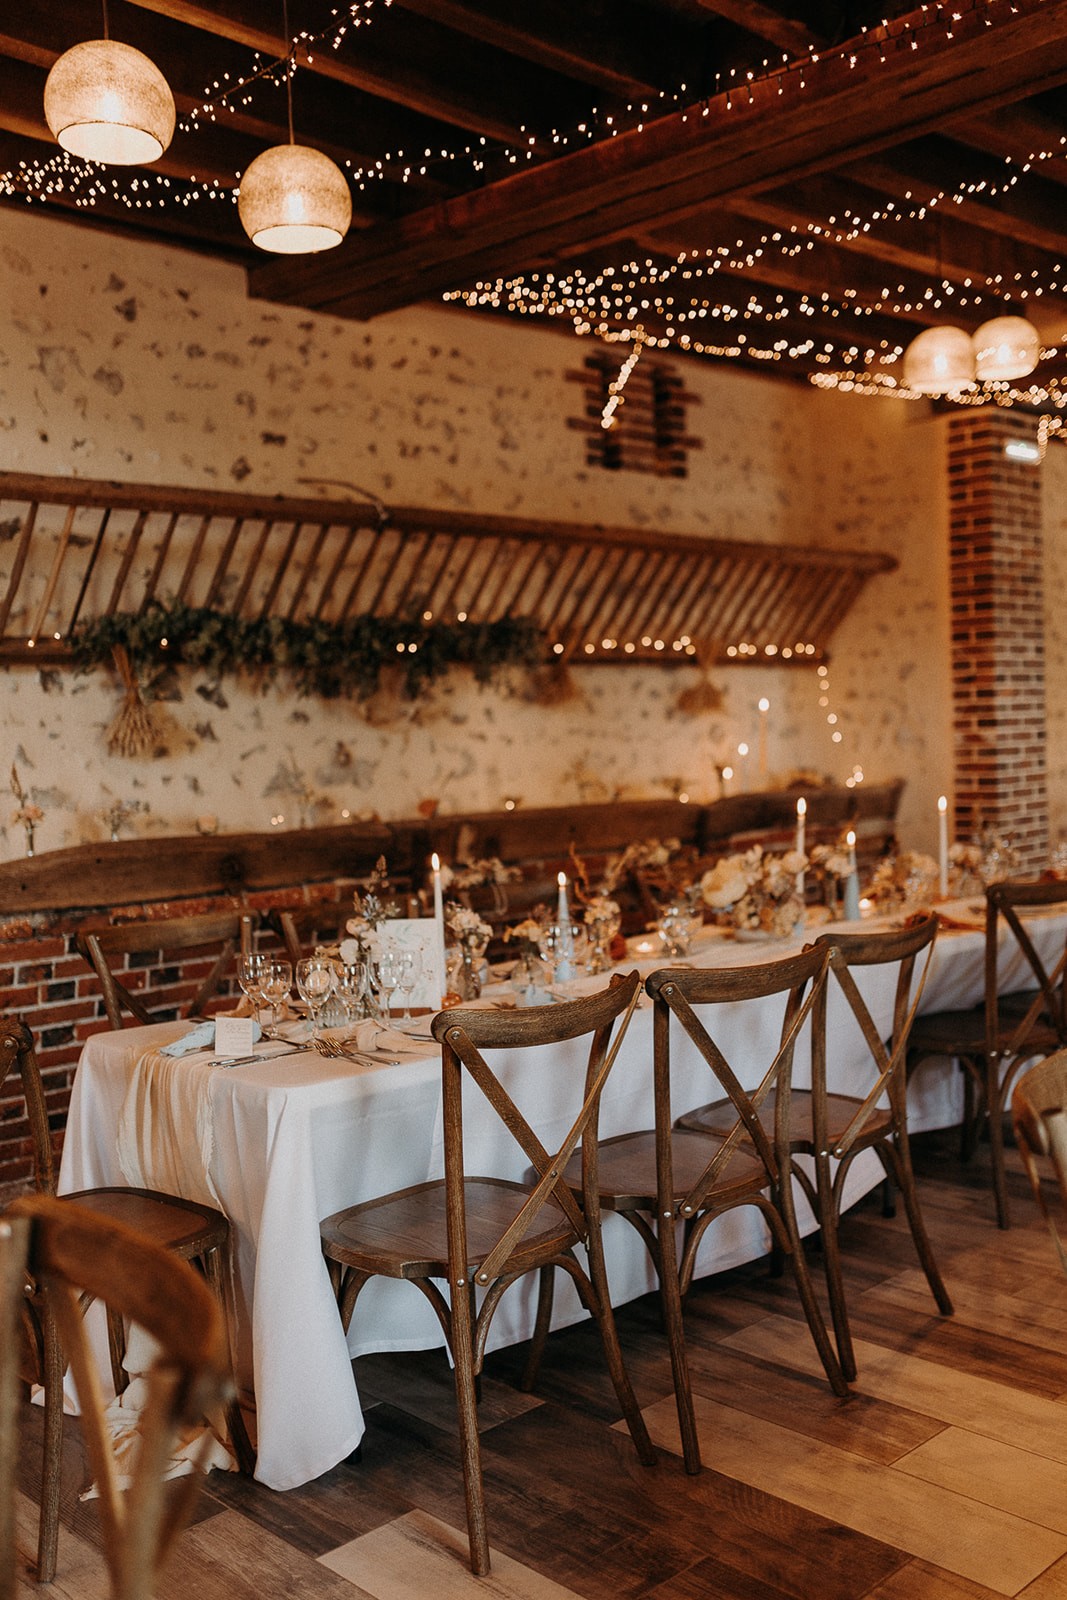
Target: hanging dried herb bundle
(133,732)
(553,685)
(703,696)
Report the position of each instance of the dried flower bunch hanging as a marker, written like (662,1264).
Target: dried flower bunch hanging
(26,814)
(133,732)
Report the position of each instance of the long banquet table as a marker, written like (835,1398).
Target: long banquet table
(279,1144)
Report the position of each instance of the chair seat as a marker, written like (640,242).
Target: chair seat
(185,1227)
(404,1235)
(840,1109)
(958,1033)
(627,1167)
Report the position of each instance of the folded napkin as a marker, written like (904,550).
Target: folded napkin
(202,1037)
(379,1039)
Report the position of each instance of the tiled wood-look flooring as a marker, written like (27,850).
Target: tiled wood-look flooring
(943,1477)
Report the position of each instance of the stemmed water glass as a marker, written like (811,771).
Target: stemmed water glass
(275,982)
(314,982)
(251,968)
(386,978)
(410,972)
(351,988)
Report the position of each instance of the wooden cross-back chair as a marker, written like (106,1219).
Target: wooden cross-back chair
(184,1228)
(831,1128)
(300,928)
(1039,1117)
(994,1041)
(475,1233)
(221,934)
(669,1175)
(70,1254)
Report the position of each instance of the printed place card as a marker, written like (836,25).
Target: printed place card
(234,1036)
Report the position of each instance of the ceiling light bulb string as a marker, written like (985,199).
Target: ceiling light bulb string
(25,179)
(399,166)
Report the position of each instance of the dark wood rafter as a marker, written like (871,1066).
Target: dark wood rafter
(487,141)
(74,549)
(758,137)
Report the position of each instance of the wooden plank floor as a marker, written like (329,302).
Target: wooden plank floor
(944,1476)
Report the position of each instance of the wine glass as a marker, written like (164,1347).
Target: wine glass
(314,982)
(251,968)
(275,982)
(386,978)
(410,972)
(351,987)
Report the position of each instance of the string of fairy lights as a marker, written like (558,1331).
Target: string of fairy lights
(761,325)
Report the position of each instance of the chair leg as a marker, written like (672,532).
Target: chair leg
(546,1280)
(996,1141)
(831,1257)
(609,1338)
(787,1218)
(900,1155)
(671,1301)
(470,1445)
(969,1128)
(51,1474)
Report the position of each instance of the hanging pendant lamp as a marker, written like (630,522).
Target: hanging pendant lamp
(107,102)
(940,361)
(293,199)
(1006,347)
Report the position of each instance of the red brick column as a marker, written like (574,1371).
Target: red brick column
(998,639)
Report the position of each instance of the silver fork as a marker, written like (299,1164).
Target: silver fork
(333,1048)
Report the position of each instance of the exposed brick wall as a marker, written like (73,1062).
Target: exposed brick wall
(998,641)
(45,982)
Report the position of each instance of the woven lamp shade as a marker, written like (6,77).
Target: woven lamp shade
(1007,347)
(939,361)
(107,102)
(294,200)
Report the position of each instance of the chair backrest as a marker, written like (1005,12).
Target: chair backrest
(218,934)
(301,927)
(849,951)
(17,1055)
(463,1036)
(677,993)
(1048,1008)
(70,1253)
(1039,1115)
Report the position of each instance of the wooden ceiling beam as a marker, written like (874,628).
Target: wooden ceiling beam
(939,247)
(676,165)
(1016,131)
(445,77)
(626,53)
(766,22)
(1030,213)
(330,116)
(208,226)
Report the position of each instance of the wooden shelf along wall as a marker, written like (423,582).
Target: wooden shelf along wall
(72,549)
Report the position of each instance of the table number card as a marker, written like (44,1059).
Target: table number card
(422,936)
(234,1036)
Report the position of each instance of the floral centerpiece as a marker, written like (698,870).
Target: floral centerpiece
(831,864)
(372,907)
(603,917)
(26,814)
(758,890)
(527,938)
(472,936)
(905,881)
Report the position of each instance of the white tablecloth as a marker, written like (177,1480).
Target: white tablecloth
(295,1139)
